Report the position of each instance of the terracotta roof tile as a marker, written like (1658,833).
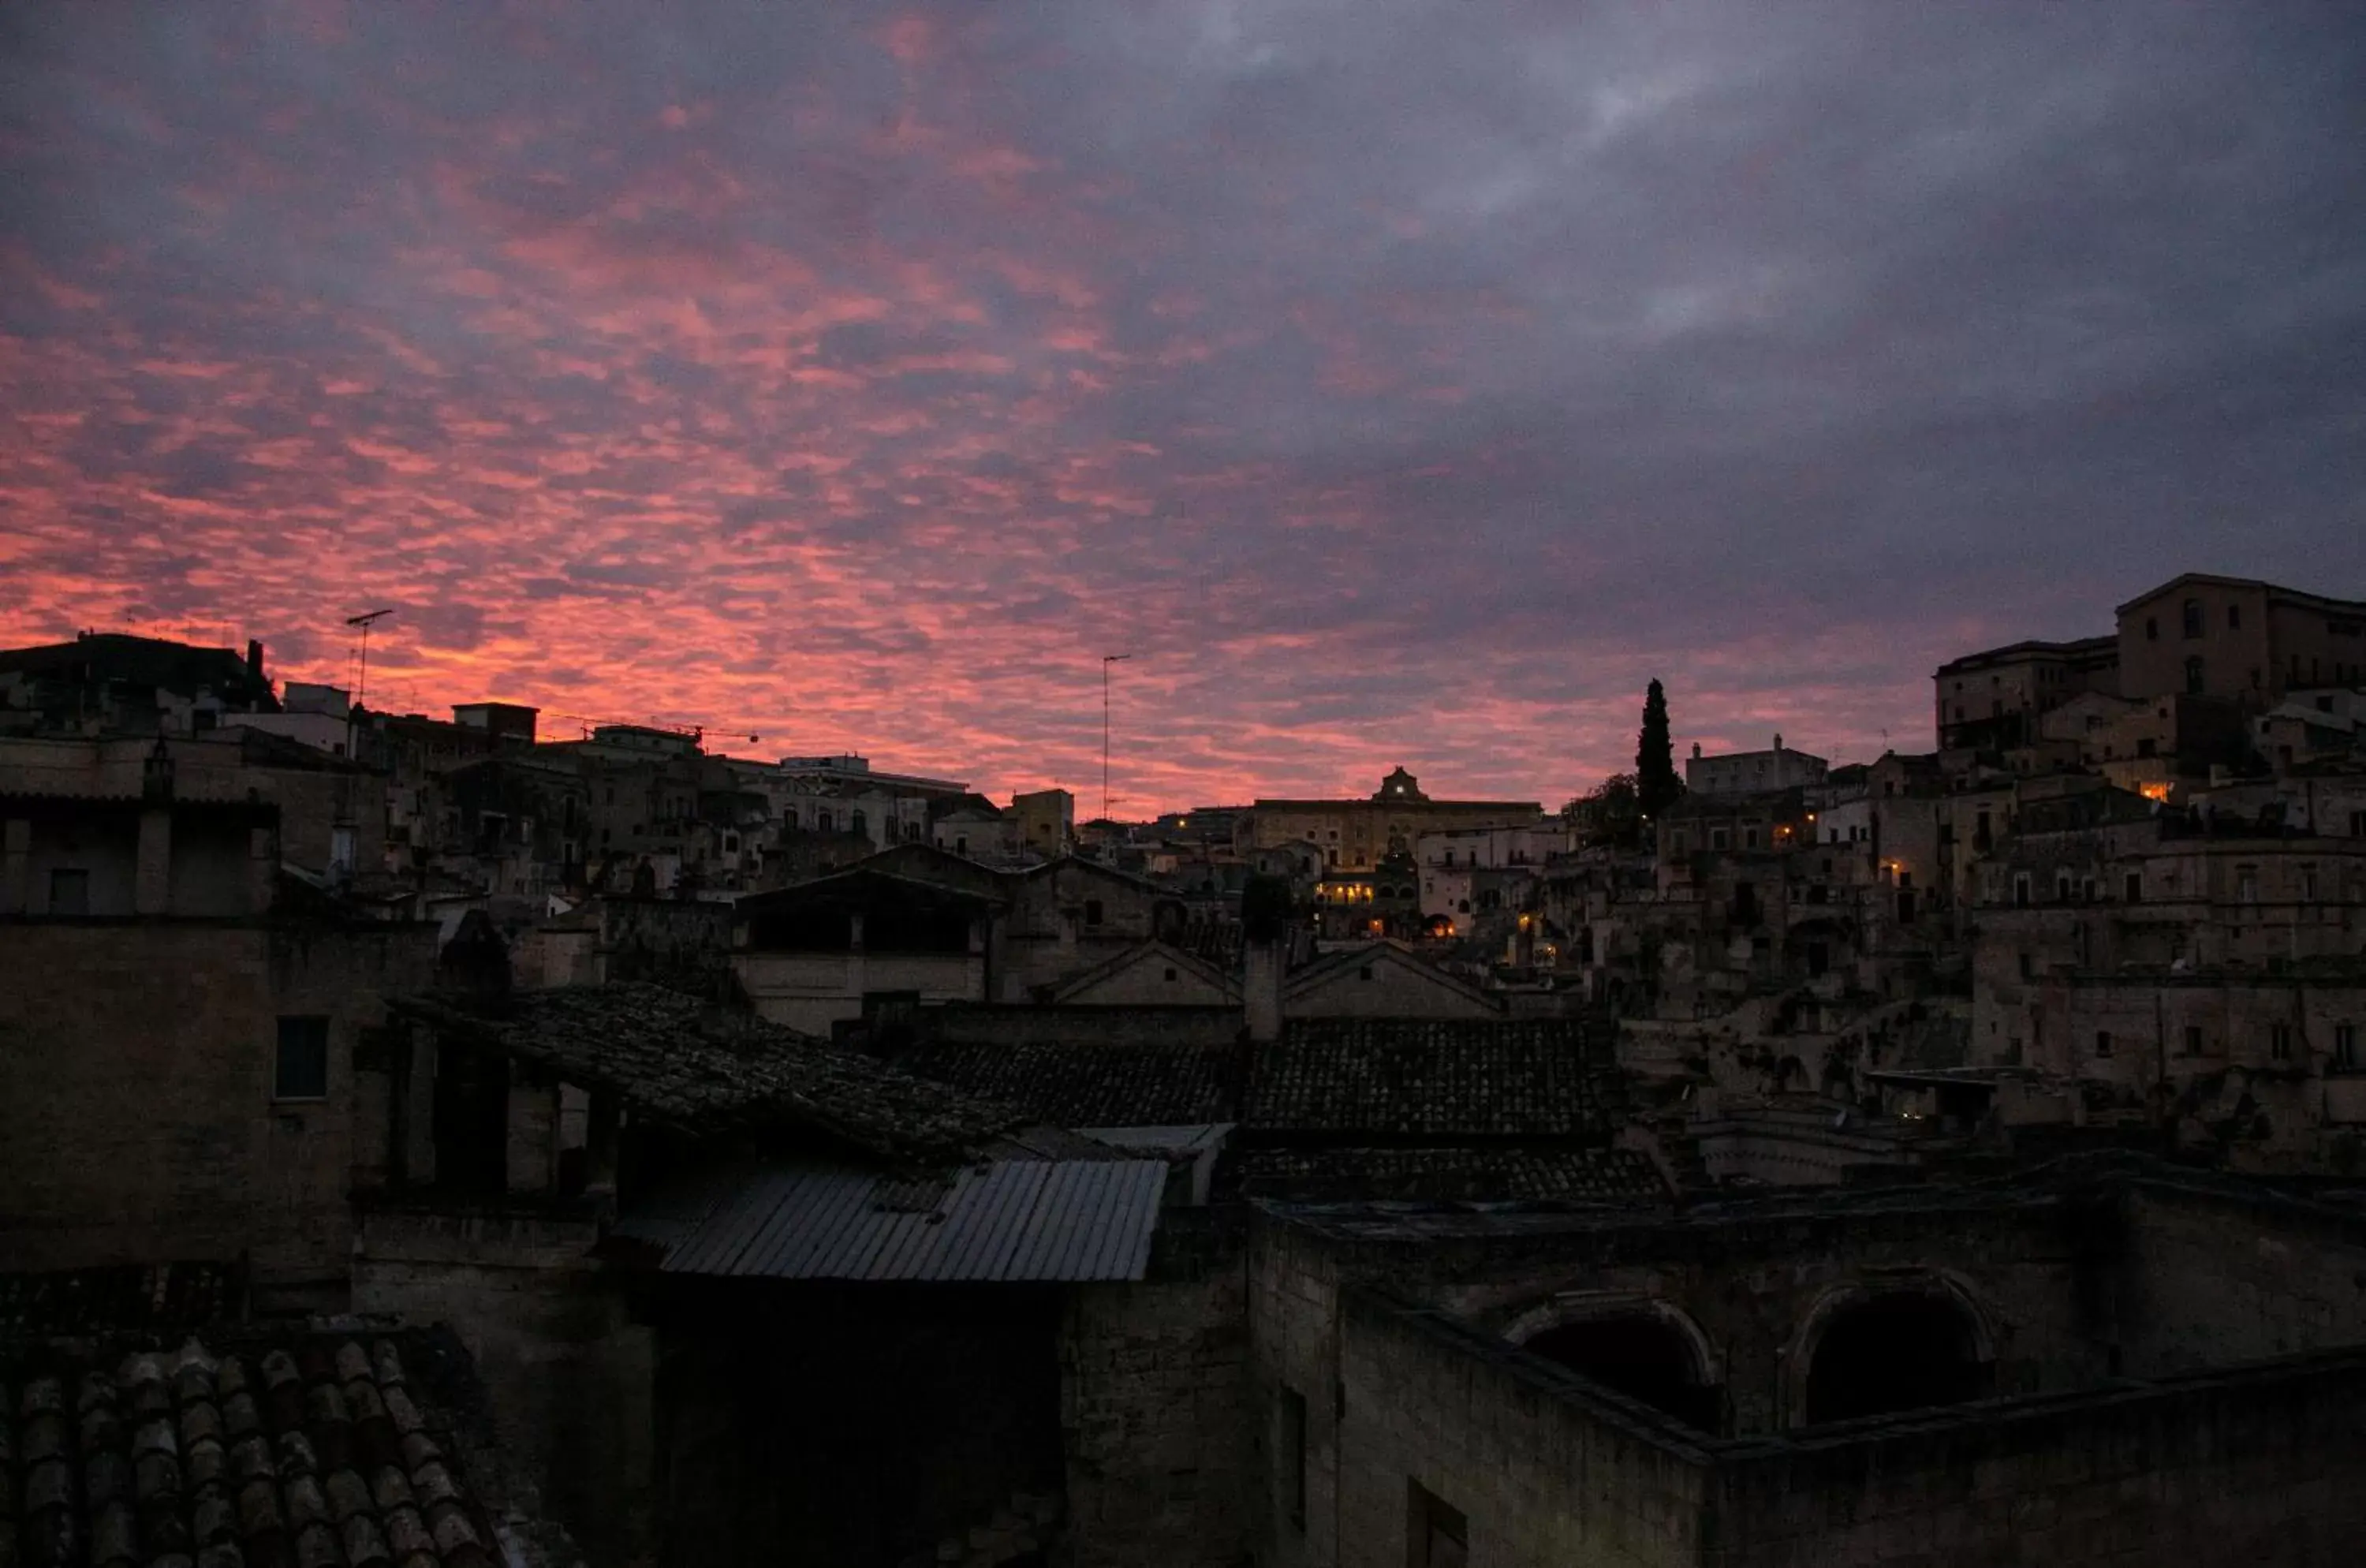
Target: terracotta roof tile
(241,1460)
(677,1059)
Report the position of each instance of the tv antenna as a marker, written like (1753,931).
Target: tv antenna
(361,684)
(1106,660)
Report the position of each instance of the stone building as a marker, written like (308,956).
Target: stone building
(1996,700)
(2098,1360)
(1752,772)
(184,1034)
(1354,835)
(2238,638)
(106,683)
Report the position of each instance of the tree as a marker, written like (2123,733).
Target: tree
(1656,784)
(1609,813)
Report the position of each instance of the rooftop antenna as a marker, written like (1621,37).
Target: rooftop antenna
(361,682)
(1106,660)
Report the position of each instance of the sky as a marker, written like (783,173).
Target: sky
(1394,383)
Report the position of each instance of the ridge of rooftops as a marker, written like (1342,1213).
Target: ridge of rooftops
(705,1070)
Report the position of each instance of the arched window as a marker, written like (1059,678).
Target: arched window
(1904,1350)
(859,825)
(821,822)
(2193,617)
(1641,1355)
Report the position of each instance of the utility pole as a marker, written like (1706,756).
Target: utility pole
(1106,660)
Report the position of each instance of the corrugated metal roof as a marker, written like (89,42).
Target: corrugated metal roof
(1006,1219)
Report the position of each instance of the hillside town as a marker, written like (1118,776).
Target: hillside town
(437,1139)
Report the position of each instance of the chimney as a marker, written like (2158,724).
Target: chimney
(255,658)
(1779,740)
(1265,920)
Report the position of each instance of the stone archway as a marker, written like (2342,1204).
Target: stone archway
(1878,1347)
(1644,1347)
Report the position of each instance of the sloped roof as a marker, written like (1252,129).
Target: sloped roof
(1435,1077)
(1004,1220)
(1153,951)
(1334,967)
(1096,1084)
(295,1447)
(1327,1079)
(1447,1175)
(675,1058)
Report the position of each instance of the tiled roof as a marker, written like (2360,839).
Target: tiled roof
(1607,1176)
(682,1061)
(308,1453)
(1489,1077)
(1091,1085)
(1370,1077)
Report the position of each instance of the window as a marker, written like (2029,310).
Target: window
(2247,883)
(2062,888)
(1436,1535)
(69,892)
(1364,973)
(2132,887)
(2280,1042)
(2020,890)
(2308,884)
(1172,974)
(2234,618)
(2194,1039)
(2102,1043)
(1750,837)
(2027,966)
(1093,911)
(2152,628)
(1716,838)
(2193,680)
(2193,617)
(1290,1449)
(859,825)
(301,1068)
(2345,1046)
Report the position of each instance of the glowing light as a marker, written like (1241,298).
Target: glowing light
(2154,791)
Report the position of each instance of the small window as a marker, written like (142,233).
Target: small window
(2194,682)
(1290,1449)
(2020,890)
(1364,973)
(2280,1042)
(1436,1535)
(2194,1039)
(2193,617)
(2152,628)
(300,1070)
(2345,1046)
(69,892)
(1173,973)
(2027,965)
(1093,911)
(2132,887)
(2247,883)
(2234,618)
(2102,1043)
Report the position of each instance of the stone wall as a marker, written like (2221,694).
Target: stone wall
(2209,1280)
(571,1379)
(2258,1465)
(1539,1478)
(1153,1406)
(136,1122)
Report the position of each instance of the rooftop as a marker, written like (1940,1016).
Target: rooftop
(300,1448)
(688,1064)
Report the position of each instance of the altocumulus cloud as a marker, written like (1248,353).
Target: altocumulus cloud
(1395,381)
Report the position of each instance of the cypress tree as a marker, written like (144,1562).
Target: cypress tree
(1656,784)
